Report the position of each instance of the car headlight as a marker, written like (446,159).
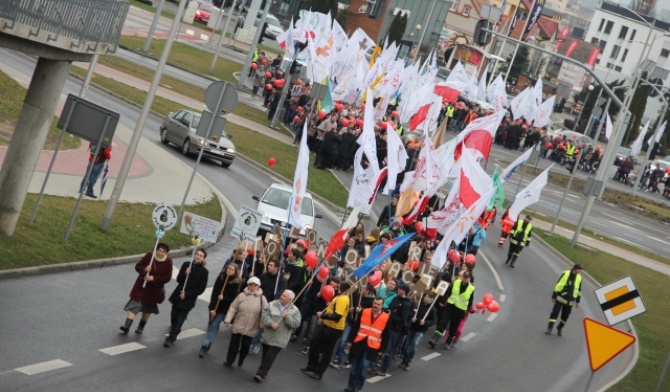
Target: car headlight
(231,150)
(202,141)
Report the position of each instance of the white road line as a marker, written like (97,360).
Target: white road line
(122,348)
(190,32)
(43,367)
(660,240)
(204,37)
(619,218)
(502,298)
(206,295)
(495,273)
(624,240)
(430,356)
(189,333)
(492,317)
(377,378)
(468,337)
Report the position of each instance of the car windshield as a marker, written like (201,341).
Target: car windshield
(273,22)
(207,7)
(280,198)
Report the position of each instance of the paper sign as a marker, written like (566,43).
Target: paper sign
(199,226)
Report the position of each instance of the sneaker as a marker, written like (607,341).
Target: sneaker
(404,366)
(381,373)
(335,365)
(258,379)
(167,343)
(346,365)
(255,349)
(446,346)
(91,195)
(548,331)
(305,350)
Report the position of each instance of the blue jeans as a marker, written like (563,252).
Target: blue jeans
(391,347)
(413,341)
(339,354)
(95,173)
(213,328)
(359,371)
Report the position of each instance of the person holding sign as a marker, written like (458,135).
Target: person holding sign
(423,319)
(370,336)
(148,291)
(191,282)
(226,288)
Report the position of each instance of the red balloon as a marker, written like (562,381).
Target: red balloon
(299,109)
(303,243)
(327,292)
(264,61)
(268,74)
(323,272)
(419,227)
(298,82)
(254,65)
(488,298)
(375,278)
(493,307)
(339,107)
(268,86)
(271,161)
(382,125)
(312,260)
(480,305)
(413,265)
(454,256)
(359,122)
(394,114)
(345,122)
(280,82)
(322,114)
(470,258)
(296,118)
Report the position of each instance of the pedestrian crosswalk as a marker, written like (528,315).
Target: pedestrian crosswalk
(43,367)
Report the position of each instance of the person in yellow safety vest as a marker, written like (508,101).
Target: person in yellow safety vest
(460,294)
(506,225)
(566,294)
(369,340)
(519,237)
(570,150)
(331,324)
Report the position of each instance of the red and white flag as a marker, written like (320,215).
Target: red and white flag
(474,180)
(478,136)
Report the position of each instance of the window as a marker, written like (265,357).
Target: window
(623,32)
(618,68)
(608,27)
(615,52)
(632,35)
(665,53)
(595,40)
(625,54)
(602,45)
(453,5)
(466,10)
(602,23)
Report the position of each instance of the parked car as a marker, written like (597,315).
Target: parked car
(273,203)
(180,127)
(665,165)
(274,26)
(621,154)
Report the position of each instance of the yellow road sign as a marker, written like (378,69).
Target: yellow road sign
(620,300)
(604,342)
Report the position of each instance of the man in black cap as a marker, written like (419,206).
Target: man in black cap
(566,294)
(519,238)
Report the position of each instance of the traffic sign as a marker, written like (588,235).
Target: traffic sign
(222,93)
(620,300)
(604,342)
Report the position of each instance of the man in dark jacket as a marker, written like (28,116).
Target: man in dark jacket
(269,281)
(424,318)
(368,337)
(192,281)
(400,312)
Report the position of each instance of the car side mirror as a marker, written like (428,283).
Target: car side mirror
(318,216)
(256,198)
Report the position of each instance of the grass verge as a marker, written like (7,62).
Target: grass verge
(11,102)
(651,327)
(132,232)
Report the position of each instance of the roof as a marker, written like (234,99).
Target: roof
(615,8)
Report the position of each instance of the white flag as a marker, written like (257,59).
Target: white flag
(543,113)
(397,158)
(518,162)
(529,195)
(608,126)
(637,144)
(299,180)
(656,137)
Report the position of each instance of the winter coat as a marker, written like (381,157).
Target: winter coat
(153,293)
(431,318)
(229,293)
(196,285)
(245,312)
(268,283)
(272,313)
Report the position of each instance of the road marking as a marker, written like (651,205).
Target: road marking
(430,356)
(190,32)
(43,367)
(204,37)
(468,337)
(122,348)
(495,273)
(503,297)
(189,333)
(377,378)
(619,218)
(660,240)
(492,317)
(206,295)
(624,240)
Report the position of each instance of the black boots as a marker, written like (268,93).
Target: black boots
(125,328)
(549,328)
(140,328)
(511,264)
(203,351)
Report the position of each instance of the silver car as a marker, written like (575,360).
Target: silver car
(180,127)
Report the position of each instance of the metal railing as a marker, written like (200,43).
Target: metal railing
(83,26)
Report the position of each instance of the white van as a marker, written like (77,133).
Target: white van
(273,203)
